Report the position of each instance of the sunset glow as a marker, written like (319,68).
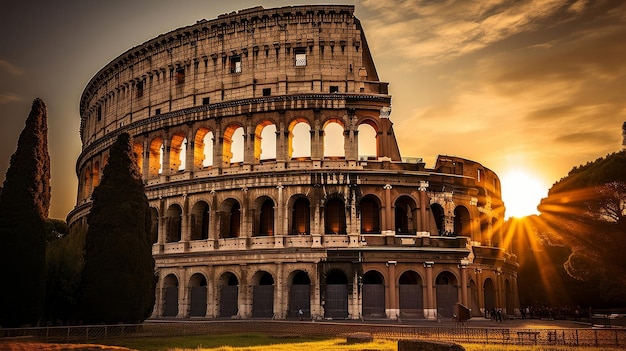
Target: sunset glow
(521,192)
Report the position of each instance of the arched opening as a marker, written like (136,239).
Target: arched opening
(336,295)
(300,295)
(368,145)
(155,161)
(199,221)
(138,154)
(174,223)
(266,218)
(370,215)
(229,295)
(447,294)
(178,153)
(233,144)
(301,217)
(335,216)
(197,295)
(154,225)
(263,295)
(462,221)
(411,295)
(299,139)
(334,139)
(489,293)
(203,148)
(170,296)
(231,219)
(265,141)
(373,295)
(439,217)
(405,212)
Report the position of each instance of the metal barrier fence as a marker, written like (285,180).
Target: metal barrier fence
(506,336)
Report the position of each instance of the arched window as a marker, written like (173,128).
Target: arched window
(265,141)
(156,157)
(231,219)
(174,222)
(301,217)
(370,215)
(405,215)
(199,221)
(299,140)
(368,145)
(266,218)
(203,148)
(178,152)
(333,140)
(335,216)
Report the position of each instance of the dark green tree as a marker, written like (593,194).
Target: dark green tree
(582,228)
(24,205)
(118,281)
(64,266)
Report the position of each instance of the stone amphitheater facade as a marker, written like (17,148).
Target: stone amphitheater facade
(247,129)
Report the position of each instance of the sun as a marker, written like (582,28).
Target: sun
(521,192)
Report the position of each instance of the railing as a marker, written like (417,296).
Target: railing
(505,336)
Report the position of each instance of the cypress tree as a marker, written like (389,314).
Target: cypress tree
(24,205)
(118,277)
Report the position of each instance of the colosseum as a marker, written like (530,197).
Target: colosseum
(276,184)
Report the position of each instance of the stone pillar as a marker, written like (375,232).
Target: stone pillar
(279,292)
(350,133)
(183,295)
(354,307)
(393,310)
(211,293)
(479,288)
(430,311)
(166,157)
(185,227)
(423,227)
(317,138)
(279,212)
(464,300)
(388,212)
(245,299)
(190,154)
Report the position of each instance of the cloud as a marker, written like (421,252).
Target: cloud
(436,31)
(6,98)
(6,66)
(595,137)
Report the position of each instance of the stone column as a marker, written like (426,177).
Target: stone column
(430,312)
(423,227)
(354,307)
(279,228)
(464,300)
(479,288)
(393,310)
(279,310)
(166,158)
(388,214)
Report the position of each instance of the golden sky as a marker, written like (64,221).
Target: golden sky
(536,86)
